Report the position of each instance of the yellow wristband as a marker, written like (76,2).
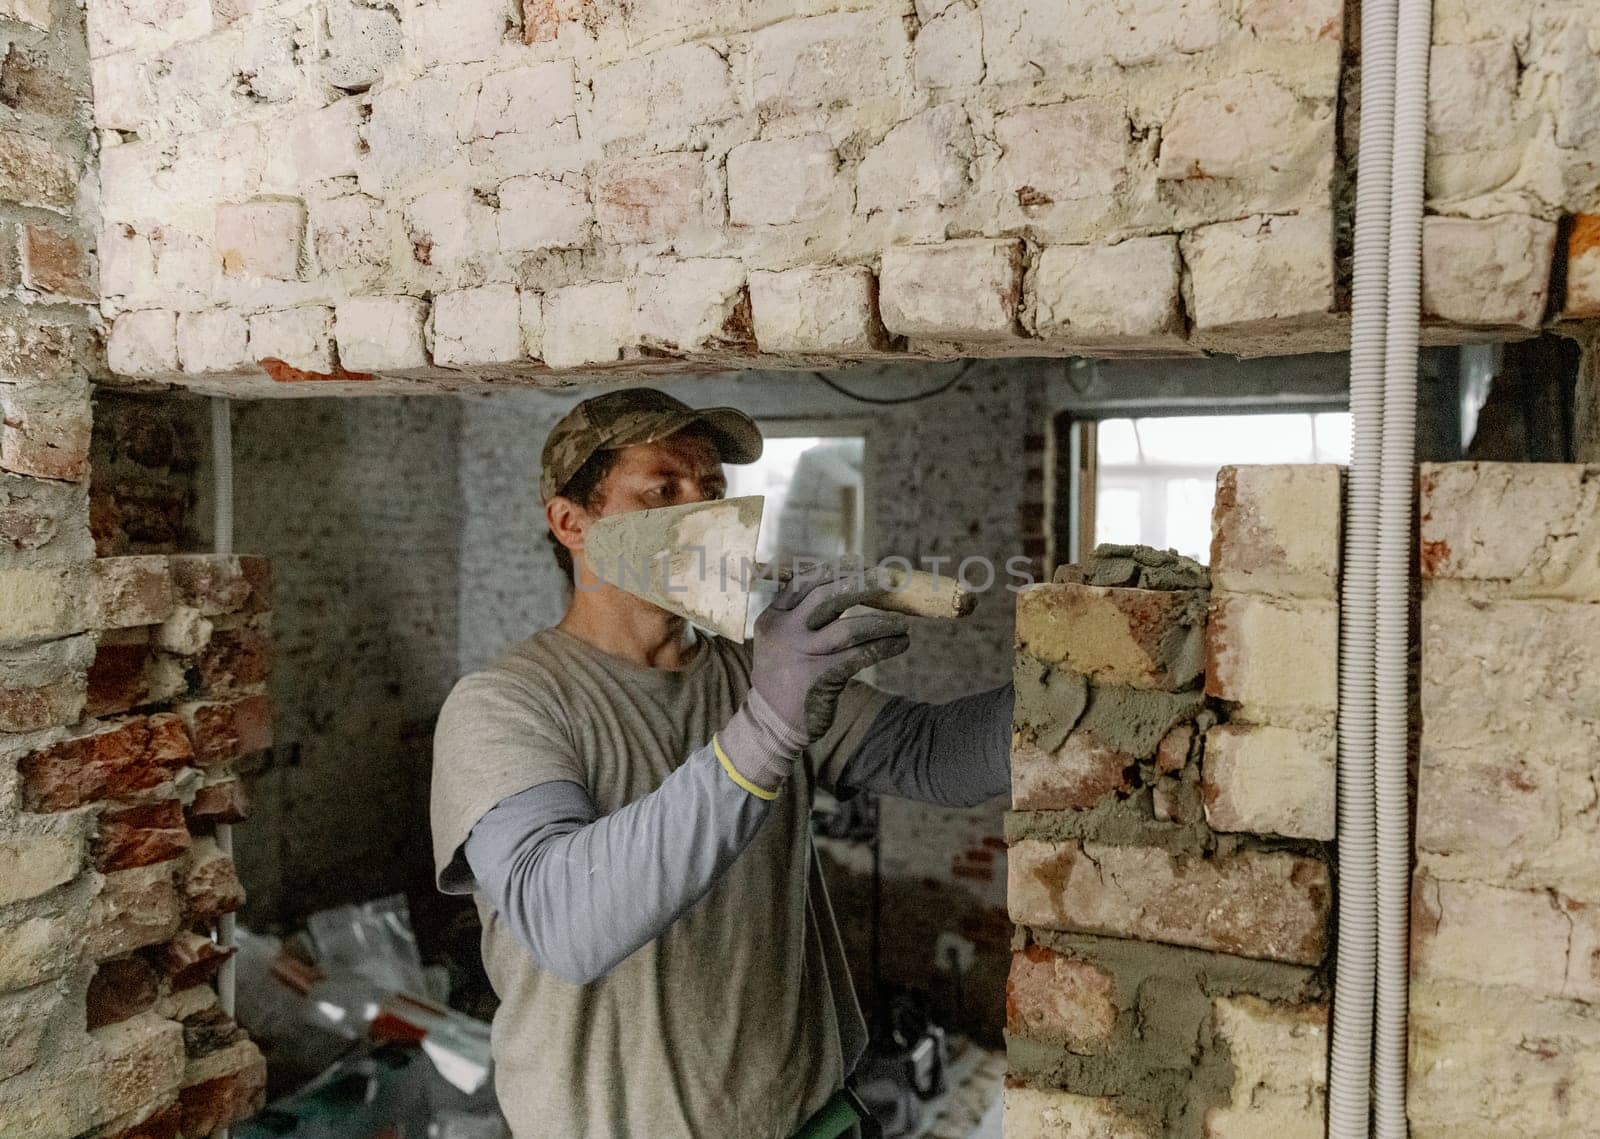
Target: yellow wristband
(733,773)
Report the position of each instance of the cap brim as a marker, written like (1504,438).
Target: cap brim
(736,435)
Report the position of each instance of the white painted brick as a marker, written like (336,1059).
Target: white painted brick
(456,31)
(377,334)
(824,310)
(1243,127)
(1113,294)
(958,290)
(1024,39)
(1063,152)
(1483,934)
(213,341)
(1577,61)
(654,199)
(313,147)
(847,58)
(362,40)
(922,162)
(261,239)
(35,12)
(412,130)
(544,213)
(121,94)
(1269,780)
(1260,269)
(532,321)
(477,326)
(449,226)
(696,305)
(539,100)
(143,343)
(587,324)
(782,181)
(120,25)
(1296,20)
(1493,271)
(1471,93)
(949,49)
(300,337)
(663,96)
(350,232)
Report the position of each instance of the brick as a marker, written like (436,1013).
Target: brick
(25,1017)
(1139,637)
(442,32)
(1527,528)
(134,755)
(224,730)
(450,227)
(1471,97)
(1277,659)
(532,319)
(544,213)
(1060,999)
(209,1029)
(1065,152)
(1276,530)
(315,147)
(1489,272)
(225,801)
(45,432)
(694,306)
(214,341)
(1023,39)
(1495,813)
(30,867)
(122,97)
(1268,780)
(542,19)
(210,883)
(1485,935)
(845,58)
(817,309)
(949,49)
(1073,777)
(1172,753)
(36,949)
(185,633)
(261,238)
(139,836)
(214,584)
(1583,268)
(477,326)
(540,101)
(1268,270)
(783,181)
(1247,127)
(159,1121)
(42,520)
(1295,20)
(135,1061)
(40,603)
(967,290)
(1046,1113)
(189,959)
(35,12)
(121,25)
(56,263)
(1250,903)
(300,337)
(34,173)
(362,40)
(1123,295)
(143,343)
(134,909)
(33,351)
(121,989)
(44,685)
(407,133)
(129,591)
(587,324)
(381,333)
(1279,1057)
(655,199)
(665,96)
(128,673)
(223,1088)
(921,163)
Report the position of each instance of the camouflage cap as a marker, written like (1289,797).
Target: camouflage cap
(637,415)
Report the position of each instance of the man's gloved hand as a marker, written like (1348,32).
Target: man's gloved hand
(806,651)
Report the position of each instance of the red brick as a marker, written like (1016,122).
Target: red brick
(56,263)
(1143,638)
(1077,776)
(210,1101)
(211,885)
(216,584)
(189,959)
(235,660)
(162,1123)
(140,836)
(131,591)
(1059,999)
(224,802)
(128,673)
(43,685)
(119,989)
(209,1030)
(137,516)
(228,729)
(131,756)
(1173,751)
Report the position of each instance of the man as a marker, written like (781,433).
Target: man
(627,799)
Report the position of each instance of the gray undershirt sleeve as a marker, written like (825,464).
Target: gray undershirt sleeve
(952,755)
(582,893)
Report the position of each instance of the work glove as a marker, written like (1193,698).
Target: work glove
(806,651)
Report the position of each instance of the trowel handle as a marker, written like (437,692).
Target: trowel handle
(915,593)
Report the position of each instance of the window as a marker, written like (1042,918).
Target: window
(1155,478)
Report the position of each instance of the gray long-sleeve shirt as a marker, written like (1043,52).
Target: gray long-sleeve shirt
(582,892)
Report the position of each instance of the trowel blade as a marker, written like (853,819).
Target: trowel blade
(693,560)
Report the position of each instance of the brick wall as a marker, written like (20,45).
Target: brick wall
(458,191)
(1172,779)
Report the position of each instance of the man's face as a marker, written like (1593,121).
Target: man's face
(679,469)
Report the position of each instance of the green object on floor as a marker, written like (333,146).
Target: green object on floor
(839,1116)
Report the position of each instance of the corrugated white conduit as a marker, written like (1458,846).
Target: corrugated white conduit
(222,542)
(1374,705)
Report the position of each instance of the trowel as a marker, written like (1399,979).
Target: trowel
(698,561)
